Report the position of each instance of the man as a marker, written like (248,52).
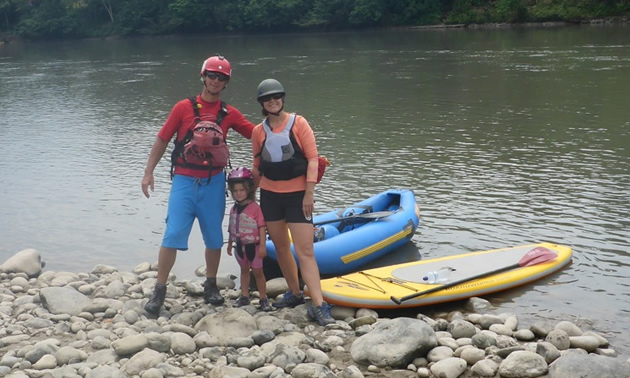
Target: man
(198,191)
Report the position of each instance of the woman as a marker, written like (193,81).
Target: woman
(285,169)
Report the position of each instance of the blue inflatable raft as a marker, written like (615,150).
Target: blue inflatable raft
(348,238)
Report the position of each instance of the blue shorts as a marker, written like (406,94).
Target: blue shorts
(192,198)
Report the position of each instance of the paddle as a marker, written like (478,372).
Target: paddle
(377,214)
(535,256)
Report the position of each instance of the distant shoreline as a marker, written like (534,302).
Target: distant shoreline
(593,22)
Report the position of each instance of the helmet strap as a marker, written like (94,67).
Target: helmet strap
(279,111)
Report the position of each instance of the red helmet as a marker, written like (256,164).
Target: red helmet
(217,63)
(239,174)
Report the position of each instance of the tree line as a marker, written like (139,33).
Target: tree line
(66,19)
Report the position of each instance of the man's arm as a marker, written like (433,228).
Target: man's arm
(157,151)
(239,123)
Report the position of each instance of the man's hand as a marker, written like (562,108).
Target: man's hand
(147,182)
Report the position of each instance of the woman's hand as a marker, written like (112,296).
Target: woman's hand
(308,204)
(262,251)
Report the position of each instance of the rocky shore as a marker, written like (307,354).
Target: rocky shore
(63,324)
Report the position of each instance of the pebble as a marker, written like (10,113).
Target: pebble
(92,325)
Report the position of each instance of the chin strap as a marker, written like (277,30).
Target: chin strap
(279,111)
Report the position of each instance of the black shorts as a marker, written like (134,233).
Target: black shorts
(283,206)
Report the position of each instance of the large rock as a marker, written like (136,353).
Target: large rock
(394,343)
(27,261)
(592,365)
(228,324)
(142,361)
(63,300)
(523,364)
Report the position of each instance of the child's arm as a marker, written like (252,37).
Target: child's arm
(229,246)
(262,247)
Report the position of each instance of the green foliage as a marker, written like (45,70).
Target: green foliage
(273,15)
(329,13)
(228,15)
(190,15)
(9,11)
(50,19)
(414,12)
(141,17)
(367,12)
(340,14)
(510,11)
(467,12)
(38,19)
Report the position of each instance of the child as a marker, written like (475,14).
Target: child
(247,234)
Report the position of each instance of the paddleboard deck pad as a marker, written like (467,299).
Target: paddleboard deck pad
(374,288)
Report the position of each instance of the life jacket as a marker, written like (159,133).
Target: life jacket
(289,166)
(204,146)
(281,158)
(244,231)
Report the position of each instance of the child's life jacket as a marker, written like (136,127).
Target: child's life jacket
(204,146)
(244,230)
(281,156)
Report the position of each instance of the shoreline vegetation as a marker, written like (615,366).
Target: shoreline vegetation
(595,22)
(22,20)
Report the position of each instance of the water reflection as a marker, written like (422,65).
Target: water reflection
(507,137)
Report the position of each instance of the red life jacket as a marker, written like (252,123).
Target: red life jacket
(204,146)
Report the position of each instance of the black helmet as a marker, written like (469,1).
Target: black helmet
(269,87)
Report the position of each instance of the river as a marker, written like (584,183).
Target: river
(507,136)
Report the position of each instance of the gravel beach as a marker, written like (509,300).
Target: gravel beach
(63,324)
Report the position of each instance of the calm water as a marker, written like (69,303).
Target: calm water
(507,137)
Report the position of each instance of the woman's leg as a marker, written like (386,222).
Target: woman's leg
(261,283)
(302,234)
(279,234)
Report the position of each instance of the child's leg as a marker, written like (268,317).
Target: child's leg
(245,280)
(261,282)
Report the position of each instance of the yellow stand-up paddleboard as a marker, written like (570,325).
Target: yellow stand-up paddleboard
(472,274)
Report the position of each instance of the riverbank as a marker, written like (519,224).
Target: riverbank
(93,325)
(590,22)
(498,25)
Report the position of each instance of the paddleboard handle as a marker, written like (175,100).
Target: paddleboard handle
(395,300)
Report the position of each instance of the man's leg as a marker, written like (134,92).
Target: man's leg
(213,257)
(166,260)
(179,221)
(211,292)
(210,209)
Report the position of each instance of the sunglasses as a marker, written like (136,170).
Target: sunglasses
(275,96)
(216,75)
